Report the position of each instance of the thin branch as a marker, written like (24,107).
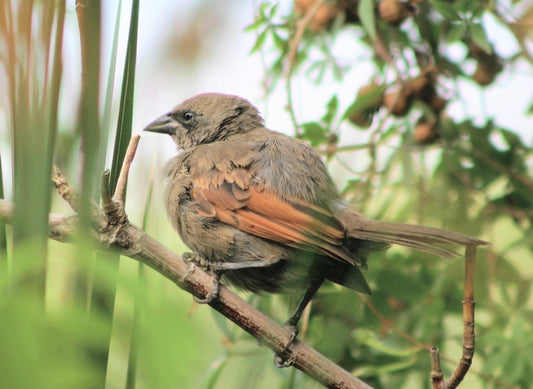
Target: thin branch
(63,188)
(301,27)
(120,190)
(61,226)
(388,324)
(437,377)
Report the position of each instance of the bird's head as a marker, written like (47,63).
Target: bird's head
(207,118)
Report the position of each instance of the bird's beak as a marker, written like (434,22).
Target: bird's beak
(163,125)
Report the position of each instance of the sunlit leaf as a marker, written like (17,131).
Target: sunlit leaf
(477,32)
(314,132)
(260,41)
(331,110)
(366,11)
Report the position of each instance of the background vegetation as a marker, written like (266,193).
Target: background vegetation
(403,144)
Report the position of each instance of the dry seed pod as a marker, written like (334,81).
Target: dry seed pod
(437,103)
(372,98)
(398,103)
(486,71)
(488,65)
(420,87)
(423,86)
(323,16)
(361,119)
(425,131)
(393,11)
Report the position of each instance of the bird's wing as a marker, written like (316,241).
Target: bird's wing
(230,195)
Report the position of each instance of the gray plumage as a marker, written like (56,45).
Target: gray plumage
(262,207)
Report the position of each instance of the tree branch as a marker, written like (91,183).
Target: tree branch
(113,231)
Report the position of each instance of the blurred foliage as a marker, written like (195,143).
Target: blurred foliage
(422,166)
(74,318)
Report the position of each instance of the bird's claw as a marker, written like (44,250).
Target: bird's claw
(196,259)
(213,292)
(279,359)
(212,269)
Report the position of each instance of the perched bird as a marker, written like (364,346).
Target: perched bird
(259,209)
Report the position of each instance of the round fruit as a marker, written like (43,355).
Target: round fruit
(322,18)
(393,11)
(398,103)
(425,132)
(437,103)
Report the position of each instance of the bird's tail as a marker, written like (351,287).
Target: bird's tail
(428,239)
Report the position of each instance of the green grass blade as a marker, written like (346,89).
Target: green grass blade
(3,237)
(125,115)
(108,99)
(29,42)
(90,23)
(133,360)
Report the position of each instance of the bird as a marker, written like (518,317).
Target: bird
(260,210)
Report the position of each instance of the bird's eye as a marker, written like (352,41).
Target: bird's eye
(188,115)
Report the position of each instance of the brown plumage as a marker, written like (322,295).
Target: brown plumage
(261,207)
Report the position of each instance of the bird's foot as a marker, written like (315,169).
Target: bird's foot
(196,259)
(213,292)
(215,277)
(279,359)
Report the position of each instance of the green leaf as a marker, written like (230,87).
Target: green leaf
(332,107)
(279,42)
(390,281)
(365,10)
(255,25)
(273,11)
(513,366)
(365,101)
(314,132)
(446,10)
(371,340)
(478,35)
(125,114)
(456,32)
(260,41)
(212,375)
(512,139)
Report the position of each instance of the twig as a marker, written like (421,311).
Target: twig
(120,189)
(301,26)
(437,377)
(61,226)
(388,324)
(65,191)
